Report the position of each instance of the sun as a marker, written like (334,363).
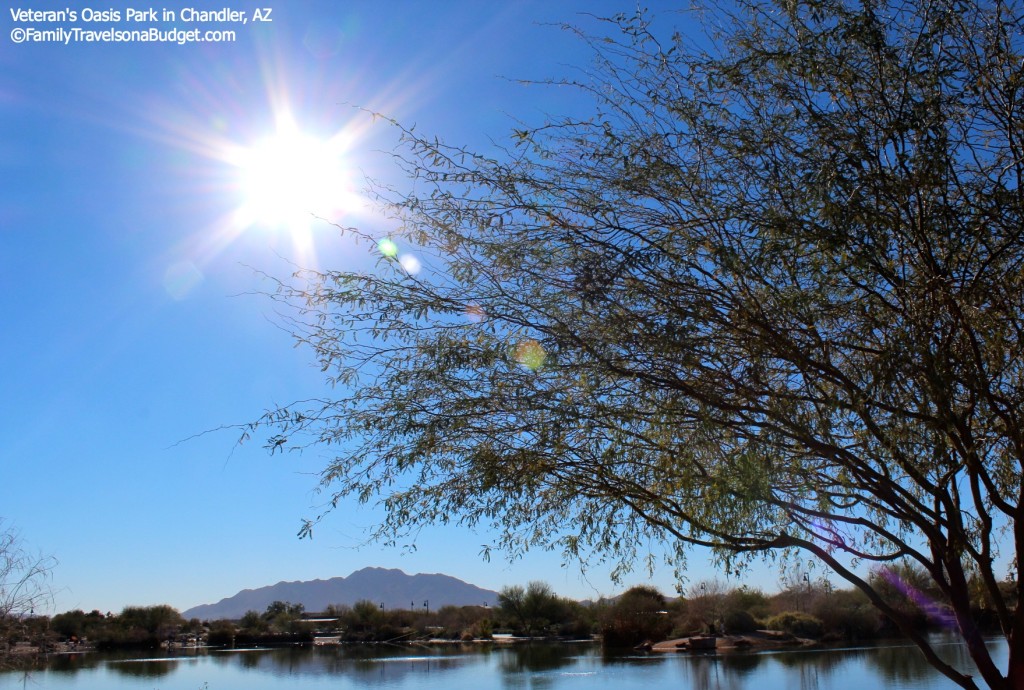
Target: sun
(291,179)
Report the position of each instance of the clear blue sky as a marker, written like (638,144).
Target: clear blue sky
(133,210)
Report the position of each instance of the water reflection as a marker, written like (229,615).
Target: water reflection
(718,672)
(813,669)
(144,668)
(536,658)
(365,664)
(900,664)
(547,666)
(485,667)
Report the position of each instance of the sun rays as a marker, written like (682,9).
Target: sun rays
(291,181)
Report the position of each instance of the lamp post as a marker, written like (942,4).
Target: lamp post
(705,613)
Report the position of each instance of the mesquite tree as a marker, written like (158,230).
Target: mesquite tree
(24,585)
(767,296)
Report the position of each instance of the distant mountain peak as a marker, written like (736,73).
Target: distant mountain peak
(389,586)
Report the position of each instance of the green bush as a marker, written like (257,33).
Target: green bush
(849,615)
(796,623)
(638,615)
(738,621)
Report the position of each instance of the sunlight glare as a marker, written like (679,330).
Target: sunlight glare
(290,179)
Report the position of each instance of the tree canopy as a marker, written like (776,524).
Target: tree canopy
(534,608)
(766,296)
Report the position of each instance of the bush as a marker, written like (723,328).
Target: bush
(738,621)
(796,623)
(849,615)
(637,616)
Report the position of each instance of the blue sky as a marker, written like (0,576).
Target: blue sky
(130,243)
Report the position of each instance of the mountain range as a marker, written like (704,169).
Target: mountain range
(393,588)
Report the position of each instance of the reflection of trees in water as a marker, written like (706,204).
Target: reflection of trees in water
(612,657)
(541,666)
(368,665)
(703,671)
(144,668)
(825,661)
(534,658)
(907,663)
(69,664)
(814,669)
(527,667)
(900,664)
(719,671)
(810,678)
(741,665)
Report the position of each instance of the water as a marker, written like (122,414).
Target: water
(484,667)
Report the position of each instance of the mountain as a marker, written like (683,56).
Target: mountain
(393,588)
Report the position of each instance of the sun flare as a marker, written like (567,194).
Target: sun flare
(290,179)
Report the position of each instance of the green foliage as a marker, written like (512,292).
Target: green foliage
(739,621)
(363,618)
(796,623)
(752,600)
(911,593)
(77,624)
(139,626)
(282,616)
(768,297)
(533,610)
(253,622)
(222,633)
(847,614)
(637,616)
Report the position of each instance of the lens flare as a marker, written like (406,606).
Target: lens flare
(530,354)
(410,263)
(387,248)
(181,278)
(931,608)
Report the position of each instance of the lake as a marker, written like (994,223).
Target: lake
(549,666)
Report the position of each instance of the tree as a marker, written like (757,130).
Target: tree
(253,622)
(363,618)
(638,615)
(534,608)
(281,616)
(768,297)
(707,603)
(148,625)
(24,582)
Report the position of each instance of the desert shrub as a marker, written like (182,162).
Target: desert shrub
(796,623)
(849,615)
(687,625)
(752,600)
(738,621)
